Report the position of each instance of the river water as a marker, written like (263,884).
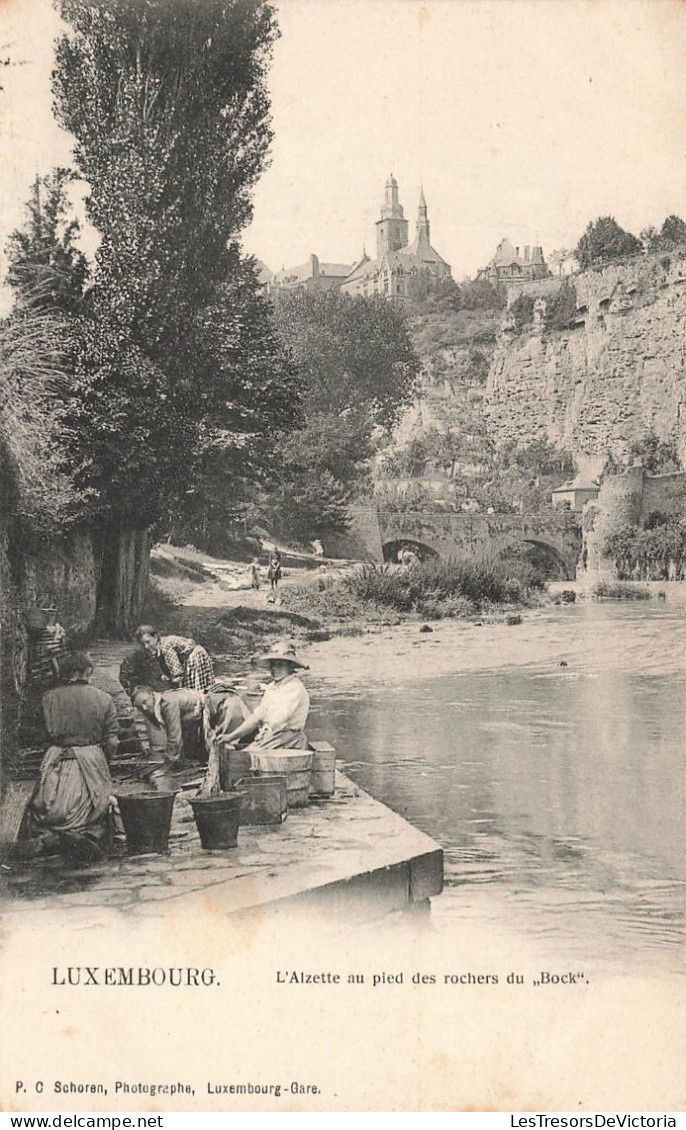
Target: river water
(546,758)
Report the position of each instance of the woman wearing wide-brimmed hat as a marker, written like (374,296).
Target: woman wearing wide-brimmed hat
(279,720)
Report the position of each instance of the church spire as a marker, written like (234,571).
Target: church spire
(422,217)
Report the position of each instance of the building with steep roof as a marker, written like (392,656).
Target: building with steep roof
(508,266)
(311,275)
(398,262)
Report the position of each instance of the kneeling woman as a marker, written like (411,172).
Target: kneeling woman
(280,719)
(69,808)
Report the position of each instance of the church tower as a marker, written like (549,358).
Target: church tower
(392,228)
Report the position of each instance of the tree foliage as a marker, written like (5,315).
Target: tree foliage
(561,308)
(354,355)
(47,269)
(167,101)
(511,479)
(659,457)
(522,311)
(671,235)
(428,295)
(603,241)
(32,381)
(655,552)
(178,371)
(356,369)
(479,294)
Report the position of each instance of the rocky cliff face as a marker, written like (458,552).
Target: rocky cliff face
(618,373)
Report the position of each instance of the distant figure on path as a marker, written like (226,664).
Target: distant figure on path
(254,574)
(183,662)
(274,570)
(70,806)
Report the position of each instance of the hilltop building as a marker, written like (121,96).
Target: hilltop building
(397,261)
(390,274)
(311,275)
(508,266)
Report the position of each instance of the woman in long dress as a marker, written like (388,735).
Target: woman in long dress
(70,806)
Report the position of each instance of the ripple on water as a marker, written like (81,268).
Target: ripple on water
(551,789)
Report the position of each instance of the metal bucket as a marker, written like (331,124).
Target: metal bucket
(264,799)
(147,819)
(296,764)
(323,780)
(217,819)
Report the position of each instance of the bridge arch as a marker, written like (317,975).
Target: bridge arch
(391,548)
(566,568)
(481,537)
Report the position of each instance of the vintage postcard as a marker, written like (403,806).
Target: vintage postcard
(343,556)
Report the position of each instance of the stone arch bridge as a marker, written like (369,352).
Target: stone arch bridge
(475,537)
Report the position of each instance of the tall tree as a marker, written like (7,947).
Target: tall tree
(603,241)
(673,233)
(168,103)
(47,269)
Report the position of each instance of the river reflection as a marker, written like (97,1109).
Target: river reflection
(556,791)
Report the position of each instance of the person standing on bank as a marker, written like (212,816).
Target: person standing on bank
(183,662)
(280,719)
(70,806)
(274,570)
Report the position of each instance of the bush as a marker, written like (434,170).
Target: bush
(561,309)
(522,310)
(620,590)
(437,588)
(655,553)
(479,294)
(659,457)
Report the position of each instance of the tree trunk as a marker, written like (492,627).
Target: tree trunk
(123,580)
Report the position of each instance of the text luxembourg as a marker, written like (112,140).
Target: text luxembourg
(550,1122)
(134,976)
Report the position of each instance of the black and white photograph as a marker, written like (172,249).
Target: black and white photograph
(343,556)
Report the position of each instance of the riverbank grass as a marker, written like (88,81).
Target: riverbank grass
(620,590)
(433,589)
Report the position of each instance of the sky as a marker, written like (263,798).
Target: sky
(520,118)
